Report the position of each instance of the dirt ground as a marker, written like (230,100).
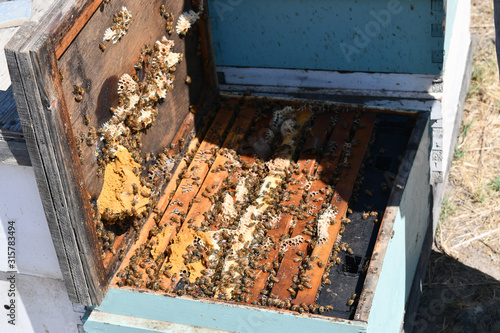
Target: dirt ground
(462,290)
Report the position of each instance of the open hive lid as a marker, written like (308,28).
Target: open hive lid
(65,80)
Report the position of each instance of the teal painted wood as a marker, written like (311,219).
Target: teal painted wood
(99,327)
(403,250)
(213,315)
(111,323)
(391,36)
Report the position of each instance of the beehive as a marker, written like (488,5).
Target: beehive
(285,207)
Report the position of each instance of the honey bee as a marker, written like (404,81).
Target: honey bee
(61,75)
(188,79)
(78,92)
(102,47)
(162,10)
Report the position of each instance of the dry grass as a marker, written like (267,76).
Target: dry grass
(470,223)
(463,275)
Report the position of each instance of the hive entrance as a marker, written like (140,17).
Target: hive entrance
(255,212)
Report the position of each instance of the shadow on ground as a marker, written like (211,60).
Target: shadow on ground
(457,298)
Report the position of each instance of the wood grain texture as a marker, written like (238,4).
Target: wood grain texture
(65,41)
(76,16)
(85,65)
(40,148)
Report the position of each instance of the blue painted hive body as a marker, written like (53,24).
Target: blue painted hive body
(363,35)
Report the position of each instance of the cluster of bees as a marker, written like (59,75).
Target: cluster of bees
(189,18)
(244,186)
(138,96)
(119,27)
(169,17)
(78,93)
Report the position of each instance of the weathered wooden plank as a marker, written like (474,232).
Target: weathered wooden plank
(289,266)
(71,177)
(85,65)
(24,86)
(76,16)
(40,84)
(214,314)
(340,200)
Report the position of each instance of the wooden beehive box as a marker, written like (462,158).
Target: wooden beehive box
(356,160)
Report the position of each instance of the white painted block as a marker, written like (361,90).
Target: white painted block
(41,305)
(20,202)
